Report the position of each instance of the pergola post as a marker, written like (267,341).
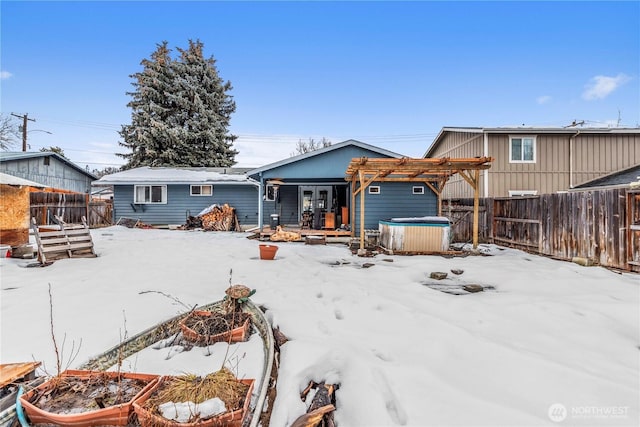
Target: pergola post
(361,178)
(476,205)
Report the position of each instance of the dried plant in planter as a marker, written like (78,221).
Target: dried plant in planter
(216,399)
(230,324)
(86,397)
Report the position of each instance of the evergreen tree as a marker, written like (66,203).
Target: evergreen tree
(181,112)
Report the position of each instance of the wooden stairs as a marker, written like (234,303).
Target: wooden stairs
(62,240)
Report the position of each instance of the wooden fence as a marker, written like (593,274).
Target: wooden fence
(602,226)
(71,207)
(100,213)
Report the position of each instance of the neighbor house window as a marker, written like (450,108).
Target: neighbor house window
(418,189)
(522,193)
(202,190)
(522,149)
(374,189)
(150,194)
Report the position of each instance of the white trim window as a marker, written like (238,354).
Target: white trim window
(417,189)
(150,194)
(201,190)
(374,189)
(522,149)
(270,193)
(522,193)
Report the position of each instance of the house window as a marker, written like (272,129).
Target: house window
(418,189)
(522,149)
(270,193)
(374,189)
(147,194)
(202,190)
(47,161)
(522,193)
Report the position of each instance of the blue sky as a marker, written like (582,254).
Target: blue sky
(390,74)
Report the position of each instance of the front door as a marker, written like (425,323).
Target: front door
(315,200)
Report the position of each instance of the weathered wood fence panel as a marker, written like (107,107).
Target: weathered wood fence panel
(517,221)
(602,226)
(633,229)
(71,207)
(100,213)
(460,213)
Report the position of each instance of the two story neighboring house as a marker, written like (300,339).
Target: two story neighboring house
(530,161)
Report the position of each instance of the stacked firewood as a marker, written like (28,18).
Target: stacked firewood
(215,218)
(220,218)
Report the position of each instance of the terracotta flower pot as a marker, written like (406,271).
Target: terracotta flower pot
(238,334)
(232,418)
(268,251)
(115,415)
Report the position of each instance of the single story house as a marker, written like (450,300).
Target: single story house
(47,168)
(164,195)
(626,178)
(311,190)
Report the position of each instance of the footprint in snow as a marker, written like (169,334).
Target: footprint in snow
(394,408)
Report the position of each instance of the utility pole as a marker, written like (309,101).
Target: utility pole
(25,118)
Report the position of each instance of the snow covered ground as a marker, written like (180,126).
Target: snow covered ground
(553,343)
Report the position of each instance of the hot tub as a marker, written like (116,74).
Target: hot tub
(419,234)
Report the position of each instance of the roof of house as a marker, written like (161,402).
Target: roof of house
(324,150)
(622,178)
(528,130)
(166,175)
(6,156)
(14,180)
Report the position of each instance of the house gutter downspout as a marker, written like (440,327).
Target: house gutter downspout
(571,140)
(485,173)
(260,193)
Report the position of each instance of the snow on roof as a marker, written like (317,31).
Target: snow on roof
(149,175)
(14,180)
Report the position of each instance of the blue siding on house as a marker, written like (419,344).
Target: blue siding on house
(56,174)
(323,168)
(396,200)
(180,204)
(332,164)
(286,207)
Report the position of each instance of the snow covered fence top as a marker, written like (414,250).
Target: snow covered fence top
(149,175)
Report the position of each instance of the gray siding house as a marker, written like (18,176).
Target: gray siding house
(311,190)
(164,196)
(47,168)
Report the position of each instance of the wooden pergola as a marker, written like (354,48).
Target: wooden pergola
(433,172)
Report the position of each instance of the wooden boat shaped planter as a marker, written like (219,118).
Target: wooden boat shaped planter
(170,328)
(180,413)
(86,398)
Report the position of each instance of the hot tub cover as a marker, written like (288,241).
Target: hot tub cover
(432,220)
